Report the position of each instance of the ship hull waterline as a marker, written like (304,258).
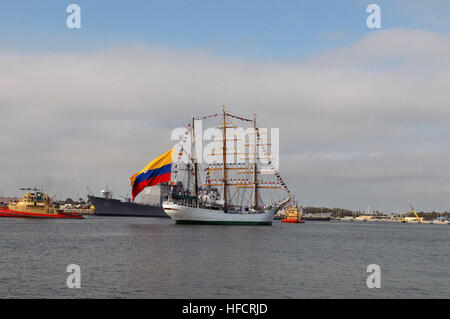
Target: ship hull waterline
(115,207)
(6,212)
(202,216)
(293,221)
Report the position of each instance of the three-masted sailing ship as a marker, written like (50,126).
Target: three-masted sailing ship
(231,191)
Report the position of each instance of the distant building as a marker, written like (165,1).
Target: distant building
(318,215)
(154,195)
(413,219)
(364,217)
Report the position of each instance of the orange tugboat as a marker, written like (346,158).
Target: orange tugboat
(35,204)
(293,216)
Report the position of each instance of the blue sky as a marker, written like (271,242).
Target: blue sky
(262,30)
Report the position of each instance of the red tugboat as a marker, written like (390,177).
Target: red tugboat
(293,216)
(35,204)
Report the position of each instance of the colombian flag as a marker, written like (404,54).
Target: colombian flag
(156,172)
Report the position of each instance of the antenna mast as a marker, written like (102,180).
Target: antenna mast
(224,157)
(194,160)
(255,175)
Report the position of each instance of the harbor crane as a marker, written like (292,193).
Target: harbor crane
(414,211)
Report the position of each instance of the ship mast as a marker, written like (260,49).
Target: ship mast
(224,157)
(255,176)
(252,168)
(194,160)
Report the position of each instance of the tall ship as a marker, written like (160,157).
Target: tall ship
(151,206)
(229,186)
(35,204)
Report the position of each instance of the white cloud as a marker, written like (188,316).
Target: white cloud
(375,113)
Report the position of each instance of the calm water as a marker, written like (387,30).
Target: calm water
(153,258)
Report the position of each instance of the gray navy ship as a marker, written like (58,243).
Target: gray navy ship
(151,206)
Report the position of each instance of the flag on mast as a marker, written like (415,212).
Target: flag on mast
(156,172)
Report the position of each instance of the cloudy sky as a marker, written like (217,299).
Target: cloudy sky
(364,115)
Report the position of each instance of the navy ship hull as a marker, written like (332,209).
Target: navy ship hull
(114,207)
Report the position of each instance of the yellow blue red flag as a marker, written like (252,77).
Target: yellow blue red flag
(156,172)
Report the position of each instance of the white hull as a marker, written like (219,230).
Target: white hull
(193,215)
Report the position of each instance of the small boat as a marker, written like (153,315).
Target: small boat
(35,204)
(293,216)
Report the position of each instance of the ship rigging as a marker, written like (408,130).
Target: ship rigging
(233,189)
